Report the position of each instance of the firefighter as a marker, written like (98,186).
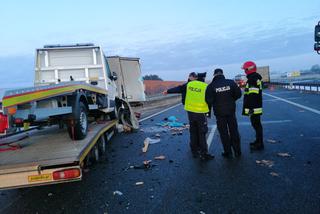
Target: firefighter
(197,108)
(222,94)
(252,102)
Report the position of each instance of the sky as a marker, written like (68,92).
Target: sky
(171,37)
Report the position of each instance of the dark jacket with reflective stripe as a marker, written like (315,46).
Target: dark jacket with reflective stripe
(222,94)
(252,99)
(181,89)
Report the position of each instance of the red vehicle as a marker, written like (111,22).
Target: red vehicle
(240,79)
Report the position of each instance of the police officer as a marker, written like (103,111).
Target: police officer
(222,93)
(197,108)
(252,102)
(181,89)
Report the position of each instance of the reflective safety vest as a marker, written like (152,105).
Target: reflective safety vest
(195,97)
(253,90)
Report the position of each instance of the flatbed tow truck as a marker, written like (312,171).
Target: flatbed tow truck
(74,88)
(48,156)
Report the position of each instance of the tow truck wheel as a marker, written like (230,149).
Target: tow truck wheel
(78,128)
(95,153)
(102,145)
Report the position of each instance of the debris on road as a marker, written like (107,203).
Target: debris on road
(139,183)
(146,145)
(145,165)
(151,140)
(267,163)
(120,128)
(50,194)
(274,174)
(172,118)
(161,157)
(271,141)
(170,161)
(117,192)
(157,135)
(201,212)
(284,154)
(127,128)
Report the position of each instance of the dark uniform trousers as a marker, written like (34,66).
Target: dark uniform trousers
(256,124)
(198,131)
(229,134)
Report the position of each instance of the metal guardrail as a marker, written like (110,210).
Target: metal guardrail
(315,87)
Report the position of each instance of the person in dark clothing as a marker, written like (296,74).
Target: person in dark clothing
(182,89)
(222,94)
(252,102)
(193,98)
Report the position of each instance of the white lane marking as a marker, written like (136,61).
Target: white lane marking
(290,98)
(295,104)
(211,134)
(267,122)
(160,112)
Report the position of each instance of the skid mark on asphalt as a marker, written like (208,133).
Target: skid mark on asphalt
(295,104)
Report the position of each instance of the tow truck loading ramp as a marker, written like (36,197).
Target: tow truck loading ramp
(48,156)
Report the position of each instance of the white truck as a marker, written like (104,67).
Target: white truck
(75,87)
(130,85)
(264,71)
(72,84)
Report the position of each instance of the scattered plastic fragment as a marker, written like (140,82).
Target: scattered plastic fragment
(274,174)
(161,157)
(117,192)
(127,128)
(157,135)
(151,140)
(170,161)
(172,118)
(201,212)
(271,141)
(284,154)
(145,165)
(146,145)
(175,124)
(139,183)
(50,194)
(120,128)
(267,163)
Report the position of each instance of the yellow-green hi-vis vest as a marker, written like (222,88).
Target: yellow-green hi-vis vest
(195,97)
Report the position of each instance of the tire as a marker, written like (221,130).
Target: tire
(102,145)
(79,129)
(95,154)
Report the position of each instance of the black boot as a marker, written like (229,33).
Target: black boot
(252,143)
(206,157)
(237,154)
(227,155)
(257,146)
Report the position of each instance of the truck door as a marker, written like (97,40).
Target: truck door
(111,86)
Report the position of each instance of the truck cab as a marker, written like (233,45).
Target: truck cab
(84,63)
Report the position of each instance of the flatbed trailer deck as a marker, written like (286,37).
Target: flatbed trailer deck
(48,156)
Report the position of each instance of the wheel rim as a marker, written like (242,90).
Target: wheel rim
(83,122)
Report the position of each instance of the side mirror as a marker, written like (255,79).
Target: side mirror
(317,38)
(114,76)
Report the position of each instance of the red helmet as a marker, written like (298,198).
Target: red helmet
(249,67)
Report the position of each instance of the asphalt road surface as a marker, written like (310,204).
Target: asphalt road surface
(258,182)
